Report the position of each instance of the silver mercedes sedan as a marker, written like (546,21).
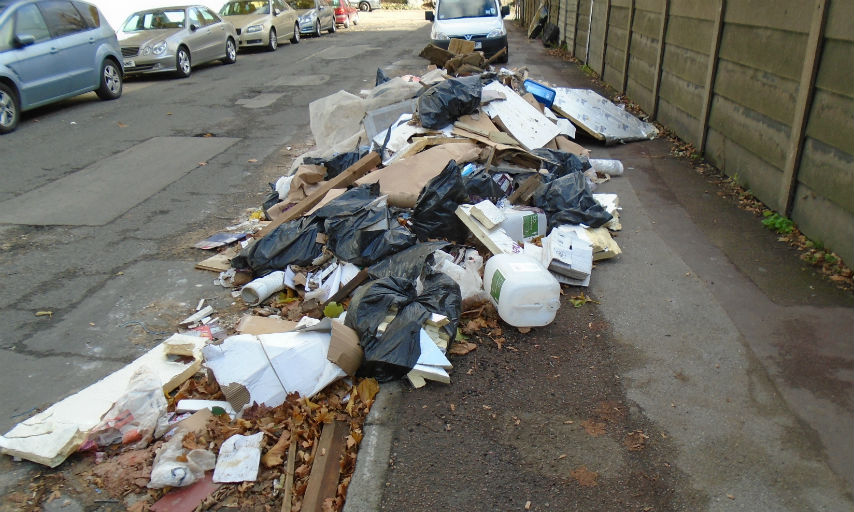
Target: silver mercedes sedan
(174,39)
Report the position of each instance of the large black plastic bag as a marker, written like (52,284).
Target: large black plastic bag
(447,101)
(568,200)
(560,163)
(408,263)
(338,163)
(434,215)
(349,202)
(392,354)
(292,243)
(366,236)
(480,186)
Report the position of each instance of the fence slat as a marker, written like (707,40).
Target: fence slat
(806,88)
(710,75)
(656,85)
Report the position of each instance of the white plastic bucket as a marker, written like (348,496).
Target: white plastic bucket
(523,291)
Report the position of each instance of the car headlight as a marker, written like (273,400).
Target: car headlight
(497,33)
(439,36)
(254,28)
(159,48)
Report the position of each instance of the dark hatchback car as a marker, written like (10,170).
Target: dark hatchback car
(51,50)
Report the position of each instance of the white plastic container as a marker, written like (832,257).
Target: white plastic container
(523,291)
(523,224)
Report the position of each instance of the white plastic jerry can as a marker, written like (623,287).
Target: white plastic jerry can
(523,291)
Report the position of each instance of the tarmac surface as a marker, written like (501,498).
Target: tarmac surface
(715,372)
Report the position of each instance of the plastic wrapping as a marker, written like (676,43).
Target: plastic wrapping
(560,163)
(175,467)
(434,215)
(408,263)
(338,163)
(292,243)
(365,237)
(446,101)
(480,186)
(568,200)
(393,352)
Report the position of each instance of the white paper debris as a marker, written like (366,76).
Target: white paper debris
(238,459)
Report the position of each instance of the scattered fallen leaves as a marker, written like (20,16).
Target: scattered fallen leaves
(594,428)
(462,348)
(584,476)
(636,441)
(581,299)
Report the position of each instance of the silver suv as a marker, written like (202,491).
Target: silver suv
(51,50)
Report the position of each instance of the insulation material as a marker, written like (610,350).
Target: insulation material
(600,117)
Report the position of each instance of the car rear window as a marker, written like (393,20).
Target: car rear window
(90,13)
(62,18)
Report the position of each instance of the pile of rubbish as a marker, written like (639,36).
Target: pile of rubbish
(426,197)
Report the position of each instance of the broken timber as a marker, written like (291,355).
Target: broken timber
(326,468)
(365,165)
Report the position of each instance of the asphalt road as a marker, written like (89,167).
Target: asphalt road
(101,202)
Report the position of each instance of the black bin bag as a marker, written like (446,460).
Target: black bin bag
(449,100)
(409,263)
(292,243)
(393,353)
(568,200)
(560,163)
(433,216)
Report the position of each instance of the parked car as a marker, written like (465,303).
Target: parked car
(262,23)
(345,13)
(174,39)
(52,50)
(481,21)
(315,16)
(369,5)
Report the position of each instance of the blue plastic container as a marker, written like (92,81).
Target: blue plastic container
(545,95)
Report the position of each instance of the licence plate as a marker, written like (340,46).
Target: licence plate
(129,63)
(477,45)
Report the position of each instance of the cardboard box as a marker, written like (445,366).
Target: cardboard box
(344,348)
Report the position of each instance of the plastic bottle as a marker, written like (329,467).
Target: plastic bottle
(523,291)
(610,167)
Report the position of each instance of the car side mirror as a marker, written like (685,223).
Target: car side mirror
(22,40)
(194,27)
(505,10)
(428,15)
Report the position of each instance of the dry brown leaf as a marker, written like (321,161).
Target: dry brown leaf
(462,348)
(584,476)
(594,428)
(274,456)
(368,389)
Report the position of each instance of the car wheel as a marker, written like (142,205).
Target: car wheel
(295,37)
(317,28)
(332,27)
(182,62)
(230,52)
(347,22)
(274,42)
(111,81)
(10,110)
(364,6)
(356,19)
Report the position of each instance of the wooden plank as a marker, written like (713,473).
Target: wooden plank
(806,90)
(365,165)
(710,76)
(326,468)
(219,262)
(625,78)
(288,497)
(605,37)
(662,34)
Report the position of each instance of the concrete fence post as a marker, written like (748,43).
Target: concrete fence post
(659,59)
(710,76)
(625,78)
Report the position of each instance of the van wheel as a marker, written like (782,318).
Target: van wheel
(111,80)
(332,27)
(317,31)
(10,109)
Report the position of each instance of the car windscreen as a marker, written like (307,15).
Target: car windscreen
(245,7)
(454,9)
(154,20)
(303,4)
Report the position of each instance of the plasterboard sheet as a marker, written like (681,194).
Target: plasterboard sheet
(600,117)
(524,122)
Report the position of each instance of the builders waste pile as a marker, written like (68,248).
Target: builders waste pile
(427,201)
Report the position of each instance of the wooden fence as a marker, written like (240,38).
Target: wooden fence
(764,89)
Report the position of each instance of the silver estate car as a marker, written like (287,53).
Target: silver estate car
(51,50)
(174,39)
(262,23)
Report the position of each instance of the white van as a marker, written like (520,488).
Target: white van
(481,21)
